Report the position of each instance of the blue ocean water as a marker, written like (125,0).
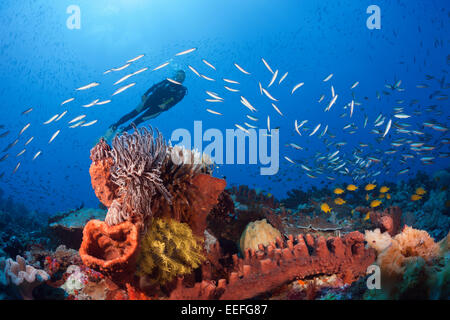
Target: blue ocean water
(43,62)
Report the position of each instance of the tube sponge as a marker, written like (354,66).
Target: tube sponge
(169,249)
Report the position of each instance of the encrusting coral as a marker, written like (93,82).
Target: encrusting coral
(169,249)
(24,277)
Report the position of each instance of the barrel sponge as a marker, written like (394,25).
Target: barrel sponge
(169,249)
(258,232)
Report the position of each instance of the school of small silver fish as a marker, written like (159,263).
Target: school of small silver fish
(397,137)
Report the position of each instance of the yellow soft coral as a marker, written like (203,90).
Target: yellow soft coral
(169,249)
(405,247)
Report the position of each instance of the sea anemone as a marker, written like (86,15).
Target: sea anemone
(138,158)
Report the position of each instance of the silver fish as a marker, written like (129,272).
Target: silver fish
(27,111)
(242,128)
(241,69)
(88,86)
(136,58)
(91,104)
(102,102)
(24,128)
(297,86)
(213,112)
(269,95)
(186,52)
(328,78)
(208,64)
(388,127)
(121,68)
(283,77)
(17,167)
(194,71)
(51,119)
(315,129)
(54,136)
(77,118)
(275,74)
(122,89)
(267,65)
(21,153)
(230,81)
(161,66)
(37,155)
(231,89)
(276,108)
(354,85)
(89,123)
(29,140)
(173,81)
(207,78)
(60,116)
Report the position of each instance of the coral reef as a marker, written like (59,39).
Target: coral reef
(169,249)
(24,277)
(434,216)
(258,232)
(172,231)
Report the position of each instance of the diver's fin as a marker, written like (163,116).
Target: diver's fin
(109,134)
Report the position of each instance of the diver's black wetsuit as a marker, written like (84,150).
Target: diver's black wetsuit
(164,92)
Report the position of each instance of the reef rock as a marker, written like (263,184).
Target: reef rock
(68,227)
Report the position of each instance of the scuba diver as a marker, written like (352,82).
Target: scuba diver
(159,98)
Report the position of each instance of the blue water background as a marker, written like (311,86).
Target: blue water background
(42,62)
